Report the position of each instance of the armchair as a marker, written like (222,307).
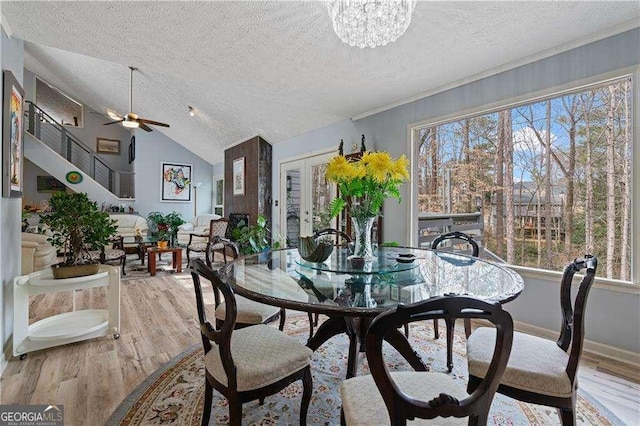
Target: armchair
(37,253)
(198,226)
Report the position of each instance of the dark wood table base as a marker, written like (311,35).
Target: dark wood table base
(154,253)
(356,329)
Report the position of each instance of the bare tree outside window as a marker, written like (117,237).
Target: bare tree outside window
(552,178)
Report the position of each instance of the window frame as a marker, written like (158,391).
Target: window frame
(632,286)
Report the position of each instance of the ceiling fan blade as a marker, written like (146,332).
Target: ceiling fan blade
(155,123)
(145,127)
(113,122)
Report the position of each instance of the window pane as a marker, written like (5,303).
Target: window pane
(552,179)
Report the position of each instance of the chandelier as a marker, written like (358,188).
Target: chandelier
(370,23)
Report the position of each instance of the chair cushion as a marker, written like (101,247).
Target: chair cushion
(249,312)
(363,404)
(535,364)
(200,246)
(262,355)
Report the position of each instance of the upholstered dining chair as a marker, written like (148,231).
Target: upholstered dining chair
(541,371)
(248,312)
(393,397)
(338,238)
(472,248)
(249,363)
(213,243)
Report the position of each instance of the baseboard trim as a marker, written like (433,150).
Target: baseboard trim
(596,348)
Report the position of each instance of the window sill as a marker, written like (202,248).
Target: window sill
(601,283)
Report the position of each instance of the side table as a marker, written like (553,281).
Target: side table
(154,252)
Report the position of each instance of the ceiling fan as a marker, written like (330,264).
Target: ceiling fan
(131,120)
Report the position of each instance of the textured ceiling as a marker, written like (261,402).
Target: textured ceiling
(276,68)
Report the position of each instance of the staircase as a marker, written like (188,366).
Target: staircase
(51,147)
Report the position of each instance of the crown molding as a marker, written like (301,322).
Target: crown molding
(5,26)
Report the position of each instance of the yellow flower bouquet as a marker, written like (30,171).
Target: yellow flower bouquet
(363,186)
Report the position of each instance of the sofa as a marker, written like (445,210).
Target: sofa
(197,225)
(127,226)
(37,253)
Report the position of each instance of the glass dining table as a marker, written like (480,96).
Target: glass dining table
(352,294)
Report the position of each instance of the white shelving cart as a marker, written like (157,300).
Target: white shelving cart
(67,327)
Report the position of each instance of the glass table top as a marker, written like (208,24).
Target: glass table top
(283,278)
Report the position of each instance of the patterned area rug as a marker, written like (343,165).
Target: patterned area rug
(134,268)
(175,393)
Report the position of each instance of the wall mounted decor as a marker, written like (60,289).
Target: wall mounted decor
(238,176)
(132,149)
(12,136)
(49,184)
(176,182)
(108,146)
(74,177)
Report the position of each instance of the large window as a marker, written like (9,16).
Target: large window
(552,178)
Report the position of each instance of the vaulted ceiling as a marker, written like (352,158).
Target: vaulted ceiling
(277,68)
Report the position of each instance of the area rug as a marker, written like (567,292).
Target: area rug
(175,393)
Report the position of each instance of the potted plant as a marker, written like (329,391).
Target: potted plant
(166,226)
(77,227)
(253,238)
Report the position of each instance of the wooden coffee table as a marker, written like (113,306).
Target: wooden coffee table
(154,253)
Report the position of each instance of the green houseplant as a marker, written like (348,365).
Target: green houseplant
(253,238)
(166,225)
(77,226)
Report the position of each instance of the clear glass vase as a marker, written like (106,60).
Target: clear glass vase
(362,226)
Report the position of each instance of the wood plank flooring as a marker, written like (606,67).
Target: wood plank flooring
(158,317)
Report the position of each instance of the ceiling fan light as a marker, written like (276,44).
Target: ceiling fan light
(131,124)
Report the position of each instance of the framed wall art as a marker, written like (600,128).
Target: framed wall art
(108,146)
(176,182)
(12,136)
(238,176)
(49,184)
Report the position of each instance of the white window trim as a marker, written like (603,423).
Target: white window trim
(634,72)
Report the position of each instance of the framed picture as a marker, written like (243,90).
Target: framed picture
(238,176)
(108,146)
(132,149)
(176,182)
(49,184)
(12,136)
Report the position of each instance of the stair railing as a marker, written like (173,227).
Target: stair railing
(56,136)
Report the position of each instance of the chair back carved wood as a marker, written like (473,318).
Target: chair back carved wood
(402,407)
(475,249)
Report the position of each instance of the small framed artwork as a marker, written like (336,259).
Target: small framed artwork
(12,136)
(238,176)
(394,292)
(132,149)
(176,182)
(49,184)
(108,146)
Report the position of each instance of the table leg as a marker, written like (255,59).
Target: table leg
(331,327)
(142,250)
(152,264)
(177,260)
(401,344)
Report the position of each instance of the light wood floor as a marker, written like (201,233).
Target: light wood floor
(158,317)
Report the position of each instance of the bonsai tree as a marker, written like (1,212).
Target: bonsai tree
(166,225)
(78,226)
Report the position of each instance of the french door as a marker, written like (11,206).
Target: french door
(306,195)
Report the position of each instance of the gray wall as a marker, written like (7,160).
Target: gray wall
(93,128)
(388,131)
(11,58)
(152,148)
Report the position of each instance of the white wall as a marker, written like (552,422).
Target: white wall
(93,128)
(152,148)
(388,131)
(11,58)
